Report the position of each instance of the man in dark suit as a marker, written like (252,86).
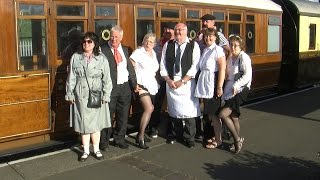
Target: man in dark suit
(124,81)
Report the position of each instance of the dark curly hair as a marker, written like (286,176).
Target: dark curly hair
(212,31)
(94,37)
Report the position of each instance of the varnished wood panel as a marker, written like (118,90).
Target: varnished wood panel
(126,18)
(265,59)
(8,60)
(265,78)
(22,119)
(21,89)
(24,142)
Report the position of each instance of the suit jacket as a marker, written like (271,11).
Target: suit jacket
(113,68)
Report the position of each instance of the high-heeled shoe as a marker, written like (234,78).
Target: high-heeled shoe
(238,145)
(142,144)
(146,139)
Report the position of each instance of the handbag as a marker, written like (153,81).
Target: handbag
(240,73)
(94,100)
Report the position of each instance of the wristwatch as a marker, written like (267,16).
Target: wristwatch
(183,81)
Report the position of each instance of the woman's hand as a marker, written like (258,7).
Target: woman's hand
(71,101)
(235,91)
(137,89)
(219,91)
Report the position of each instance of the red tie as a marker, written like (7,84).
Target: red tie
(117,55)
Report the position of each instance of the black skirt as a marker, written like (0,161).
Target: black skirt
(212,105)
(235,102)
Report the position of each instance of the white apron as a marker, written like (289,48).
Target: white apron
(181,102)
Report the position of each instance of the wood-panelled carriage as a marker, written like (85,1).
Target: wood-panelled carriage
(38,37)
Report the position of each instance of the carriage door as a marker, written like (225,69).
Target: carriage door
(69,21)
(24,101)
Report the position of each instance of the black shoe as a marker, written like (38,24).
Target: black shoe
(104,147)
(142,144)
(84,157)
(198,137)
(98,155)
(146,139)
(154,134)
(190,144)
(121,145)
(171,141)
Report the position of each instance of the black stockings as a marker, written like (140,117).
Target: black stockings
(232,122)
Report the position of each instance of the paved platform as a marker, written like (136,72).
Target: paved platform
(281,142)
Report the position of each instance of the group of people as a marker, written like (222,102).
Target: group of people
(175,67)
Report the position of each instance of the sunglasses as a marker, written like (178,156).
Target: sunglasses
(87,41)
(235,36)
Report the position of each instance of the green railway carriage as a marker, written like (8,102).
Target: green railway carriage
(301,44)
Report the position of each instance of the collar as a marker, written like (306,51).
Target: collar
(186,40)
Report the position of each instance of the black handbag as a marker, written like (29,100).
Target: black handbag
(94,100)
(240,73)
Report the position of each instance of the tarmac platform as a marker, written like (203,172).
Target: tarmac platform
(281,142)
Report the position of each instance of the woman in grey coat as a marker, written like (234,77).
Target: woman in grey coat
(89,121)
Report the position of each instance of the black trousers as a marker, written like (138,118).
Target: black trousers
(119,105)
(158,102)
(182,128)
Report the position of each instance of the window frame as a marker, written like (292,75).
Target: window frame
(136,17)
(18,17)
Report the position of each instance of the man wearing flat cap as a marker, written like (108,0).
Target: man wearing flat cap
(208,21)
(168,34)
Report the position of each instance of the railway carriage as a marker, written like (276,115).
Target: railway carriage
(38,37)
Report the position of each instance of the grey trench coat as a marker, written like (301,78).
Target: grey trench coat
(83,119)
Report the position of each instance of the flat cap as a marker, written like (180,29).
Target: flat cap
(208,17)
(169,25)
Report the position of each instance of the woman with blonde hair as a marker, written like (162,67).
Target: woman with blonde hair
(146,65)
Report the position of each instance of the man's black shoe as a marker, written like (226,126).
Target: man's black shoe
(171,141)
(190,144)
(121,145)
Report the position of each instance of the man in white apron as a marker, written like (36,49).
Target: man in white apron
(178,67)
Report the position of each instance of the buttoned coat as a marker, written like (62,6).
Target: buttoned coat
(84,119)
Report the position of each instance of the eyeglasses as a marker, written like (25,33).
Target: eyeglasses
(236,37)
(87,41)
(182,29)
(234,45)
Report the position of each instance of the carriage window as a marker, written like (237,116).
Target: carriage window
(235,21)
(219,16)
(102,28)
(193,14)
(145,23)
(250,34)
(145,12)
(31,9)
(220,21)
(235,17)
(312,36)
(234,29)
(106,11)
(105,19)
(193,23)
(32,37)
(274,34)
(70,10)
(68,37)
(170,13)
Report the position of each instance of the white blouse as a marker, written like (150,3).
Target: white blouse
(208,66)
(146,68)
(232,70)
